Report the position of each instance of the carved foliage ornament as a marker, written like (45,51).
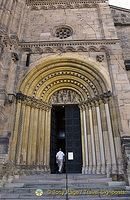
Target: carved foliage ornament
(100,58)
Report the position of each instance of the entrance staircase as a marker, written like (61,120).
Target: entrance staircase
(60,186)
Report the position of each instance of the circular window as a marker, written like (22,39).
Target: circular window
(63,32)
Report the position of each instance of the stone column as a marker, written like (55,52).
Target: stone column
(92,141)
(6,15)
(29,161)
(111,140)
(101,140)
(15,134)
(82,137)
(34,136)
(45,141)
(42,136)
(106,139)
(97,142)
(39,137)
(89,141)
(25,139)
(2,5)
(19,153)
(86,142)
(116,134)
(48,138)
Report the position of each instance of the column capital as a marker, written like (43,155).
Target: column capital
(32,102)
(97,99)
(81,106)
(97,103)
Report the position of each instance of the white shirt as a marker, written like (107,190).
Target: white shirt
(60,155)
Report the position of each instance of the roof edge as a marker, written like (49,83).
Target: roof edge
(119,8)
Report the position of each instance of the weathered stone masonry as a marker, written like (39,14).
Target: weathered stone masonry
(39,57)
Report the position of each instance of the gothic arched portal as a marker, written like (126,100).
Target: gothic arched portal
(60,80)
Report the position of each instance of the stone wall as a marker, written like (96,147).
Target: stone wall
(122,23)
(42,24)
(30,29)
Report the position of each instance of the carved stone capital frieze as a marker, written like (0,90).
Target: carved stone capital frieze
(9,41)
(95,101)
(32,102)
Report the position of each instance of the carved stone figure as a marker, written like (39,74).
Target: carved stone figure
(64,97)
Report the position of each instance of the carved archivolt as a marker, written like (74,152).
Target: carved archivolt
(70,72)
(64,80)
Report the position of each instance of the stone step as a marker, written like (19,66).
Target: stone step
(29,193)
(25,187)
(64,181)
(31,189)
(63,176)
(72,196)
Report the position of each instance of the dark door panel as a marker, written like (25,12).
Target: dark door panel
(73,138)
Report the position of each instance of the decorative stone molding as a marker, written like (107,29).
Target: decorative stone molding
(67,46)
(14,57)
(4,38)
(67,42)
(100,58)
(14,41)
(61,4)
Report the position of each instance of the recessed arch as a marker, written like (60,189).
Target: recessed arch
(70,86)
(70,68)
(64,80)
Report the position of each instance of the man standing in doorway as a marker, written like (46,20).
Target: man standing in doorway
(60,156)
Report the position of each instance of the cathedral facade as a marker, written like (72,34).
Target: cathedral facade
(65,82)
